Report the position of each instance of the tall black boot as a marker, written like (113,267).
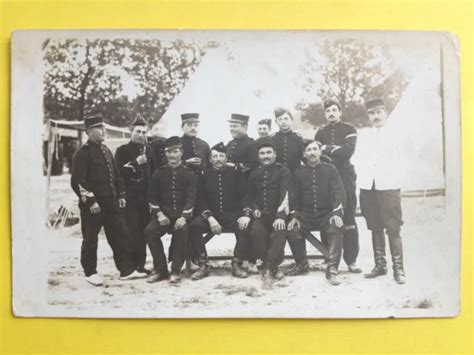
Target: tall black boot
(396,250)
(378,245)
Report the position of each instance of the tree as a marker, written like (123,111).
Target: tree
(118,77)
(350,71)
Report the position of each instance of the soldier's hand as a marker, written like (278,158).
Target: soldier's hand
(162,219)
(257,213)
(294,224)
(142,159)
(180,222)
(243,222)
(122,202)
(337,221)
(193,161)
(279,224)
(216,228)
(95,208)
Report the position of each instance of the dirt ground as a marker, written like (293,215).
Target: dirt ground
(430,277)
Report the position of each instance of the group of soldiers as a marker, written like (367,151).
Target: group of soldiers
(267,191)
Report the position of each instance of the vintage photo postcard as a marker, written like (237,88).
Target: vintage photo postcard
(241,174)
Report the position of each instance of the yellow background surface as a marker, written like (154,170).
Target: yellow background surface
(238,336)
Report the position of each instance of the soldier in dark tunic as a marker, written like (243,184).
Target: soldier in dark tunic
(172,197)
(196,152)
(288,143)
(97,182)
(136,163)
(267,197)
(220,193)
(338,142)
(264,128)
(241,150)
(316,204)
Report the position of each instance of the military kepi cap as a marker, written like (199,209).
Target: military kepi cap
(93,120)
(235,117)
(266,121)
(139,121)
(280,111)
(374,103)
(219,147)
(330,102)
(173,143)
(265,142)
(189,117)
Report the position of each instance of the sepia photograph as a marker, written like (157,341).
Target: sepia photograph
(235,174)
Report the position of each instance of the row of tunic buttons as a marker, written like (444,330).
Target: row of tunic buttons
(173,189)
(109,168)
(332,135)
(265,190)
(221,203)
(231,150)
(314,190)
(285,150)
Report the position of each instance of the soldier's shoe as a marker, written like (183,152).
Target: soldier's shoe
(252,268)
(237,270)
(322,266)
(143,270)
(298,269)
(376,272)
(399,277)
(278,275)
(191,266)
(354,268)
(94,280)
(267,280)
(201,273)
(156,277)
(175,277)
(133,276)
(332,279)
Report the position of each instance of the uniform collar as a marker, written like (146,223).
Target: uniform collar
(188,137)
(89,141)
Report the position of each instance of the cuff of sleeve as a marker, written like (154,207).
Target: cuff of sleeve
(247,212)
(338,211)
(90,201)
(154,209)
(206,214)
(295,214)
(134,164)
(187,215)
(281,215)
(122,194)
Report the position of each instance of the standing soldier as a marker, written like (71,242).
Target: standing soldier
(97,182)
(158,147)
(172,196)
(220,192)
(316,203)
(289,144)
(196,152)
(264,128)
(241,152)
(136,163)
(338,142)
(380,200)
(268,187)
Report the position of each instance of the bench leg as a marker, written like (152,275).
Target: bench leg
(316,243)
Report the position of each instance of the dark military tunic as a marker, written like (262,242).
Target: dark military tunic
(339,141)
(136,178)
(96,178)
(95,174)
(268,192)
(242,151)
(289,147)
(158,146)
(196,147)
(173,191)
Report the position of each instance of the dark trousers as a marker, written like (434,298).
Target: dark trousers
(383,212)
(267,244)
(330,235)
(137,215)
(350,242)
(112,219)
(153,233)
(228,221)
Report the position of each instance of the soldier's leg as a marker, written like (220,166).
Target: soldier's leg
(116,232)
(197,228)
(298,247)
(334,236)
(153,233)
(90,226)
(180,239)
(132,216)
(259,232)
(351,233)
(141,241)
(276,250)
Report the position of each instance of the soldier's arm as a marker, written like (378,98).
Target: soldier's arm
(128,169)
(242,187)
(295,196)
(338,194)
(248,201)
(346,150)
(153,194)
(118,177)
(79,178)
(285,180)
(202,205)
(151,158)
(190,194)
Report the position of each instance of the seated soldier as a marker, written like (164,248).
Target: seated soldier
(316,203)
(220,191)
(172,196)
